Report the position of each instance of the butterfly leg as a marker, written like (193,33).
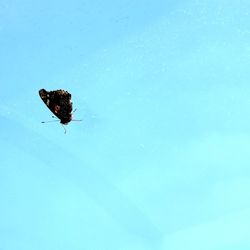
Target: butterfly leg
(64,129)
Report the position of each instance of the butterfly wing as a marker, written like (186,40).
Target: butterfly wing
(59,103)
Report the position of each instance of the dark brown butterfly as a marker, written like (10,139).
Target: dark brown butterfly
(59,103)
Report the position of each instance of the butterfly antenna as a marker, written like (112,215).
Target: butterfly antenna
(50,121)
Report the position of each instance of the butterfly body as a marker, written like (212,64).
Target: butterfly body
(59,103)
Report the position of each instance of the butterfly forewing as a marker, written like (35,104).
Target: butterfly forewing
(59,103)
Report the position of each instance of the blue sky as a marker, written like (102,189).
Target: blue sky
(161,159)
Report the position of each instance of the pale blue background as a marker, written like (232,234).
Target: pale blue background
(162,157)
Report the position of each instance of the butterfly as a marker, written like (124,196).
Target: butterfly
(60,104)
